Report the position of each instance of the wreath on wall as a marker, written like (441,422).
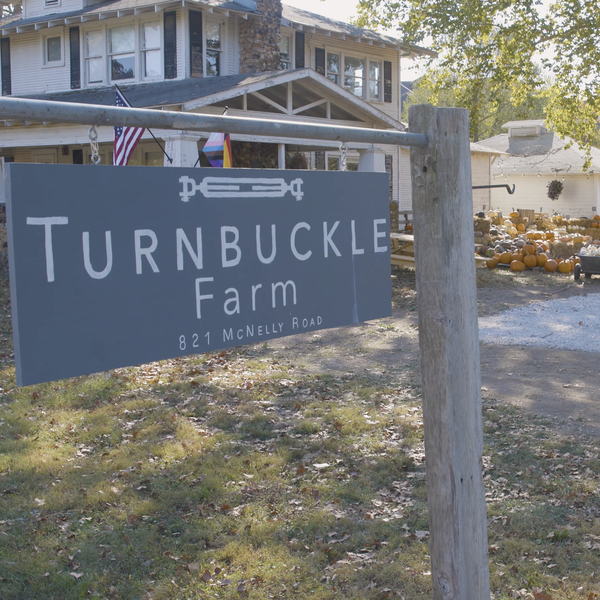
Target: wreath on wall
(555,189)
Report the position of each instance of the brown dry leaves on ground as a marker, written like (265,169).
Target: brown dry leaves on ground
(252,474)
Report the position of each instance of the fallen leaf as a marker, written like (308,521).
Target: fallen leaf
(76,575)
(39,501)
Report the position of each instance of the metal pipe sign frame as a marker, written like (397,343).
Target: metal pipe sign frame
(447,306)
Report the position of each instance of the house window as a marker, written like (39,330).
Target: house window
(53,51)
(121,50)
(214,48)
(285,50)
(374,80)
(333,67)
(333,162)
(151,53)
(94,56)
(356,79)
(354,75)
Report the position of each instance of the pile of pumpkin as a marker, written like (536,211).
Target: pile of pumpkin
(530,251)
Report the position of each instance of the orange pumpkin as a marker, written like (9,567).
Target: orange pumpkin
(538,235)
(551,266)
(541,259)
(596,217)
(520,227)
(529,248)
(506,258)
(530,260)
(594,224)
(517,265)
(565,266)
(514,214)
(530,235)
(492,263)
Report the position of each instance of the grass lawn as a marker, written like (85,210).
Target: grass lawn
(240,475)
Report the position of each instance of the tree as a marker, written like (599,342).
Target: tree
(492,110)
(8,9)
(500,43)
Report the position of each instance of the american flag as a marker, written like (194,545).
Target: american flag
(126,138)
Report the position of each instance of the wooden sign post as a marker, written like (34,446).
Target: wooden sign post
(450,369)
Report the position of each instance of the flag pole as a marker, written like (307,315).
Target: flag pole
(147,129)
(224,113)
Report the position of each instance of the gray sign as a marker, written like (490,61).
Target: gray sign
(114,266)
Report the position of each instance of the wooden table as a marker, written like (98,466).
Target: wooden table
(403,251)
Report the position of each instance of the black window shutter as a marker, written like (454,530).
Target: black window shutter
(5,51)
(320,61)
(74,58)
(170,38)
(299,50)
(196,63)
(320,160)
(77,156)
(389,168)
(387,81)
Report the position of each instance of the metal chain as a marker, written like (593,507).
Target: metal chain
(343,150)
(93,135)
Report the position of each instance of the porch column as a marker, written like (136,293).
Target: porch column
(182,147)
(372,160)
(281,156)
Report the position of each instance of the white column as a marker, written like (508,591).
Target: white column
(182,147)
(281,156)
(372,160)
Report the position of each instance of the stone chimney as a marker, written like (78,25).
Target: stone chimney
(260,37)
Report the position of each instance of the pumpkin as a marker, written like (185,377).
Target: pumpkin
(578,239)
(530,260)
(506,258)
(530,235)
(514,214)
(520,227)
(517,256)
(492,263)
(517,265)
(565,266)
(538,235)
(576,260)
(550,266)
(549,235)
(594,224)
(529,248)
(596,217)
(541,259)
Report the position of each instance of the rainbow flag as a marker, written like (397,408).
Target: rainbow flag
(218,150)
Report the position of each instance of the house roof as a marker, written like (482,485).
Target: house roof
(266,91)
(302,19)
(291,17)
(545,154)
(477,147)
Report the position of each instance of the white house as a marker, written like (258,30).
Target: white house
(535,157)
(257,57)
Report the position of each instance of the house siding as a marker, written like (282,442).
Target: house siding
(578,197)
(35,8)
(29,75)
(480,175)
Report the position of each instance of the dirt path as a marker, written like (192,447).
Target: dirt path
(560,384)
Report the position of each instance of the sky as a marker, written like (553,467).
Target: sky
(341,10)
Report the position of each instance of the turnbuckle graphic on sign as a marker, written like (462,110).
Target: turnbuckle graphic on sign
(240,187)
